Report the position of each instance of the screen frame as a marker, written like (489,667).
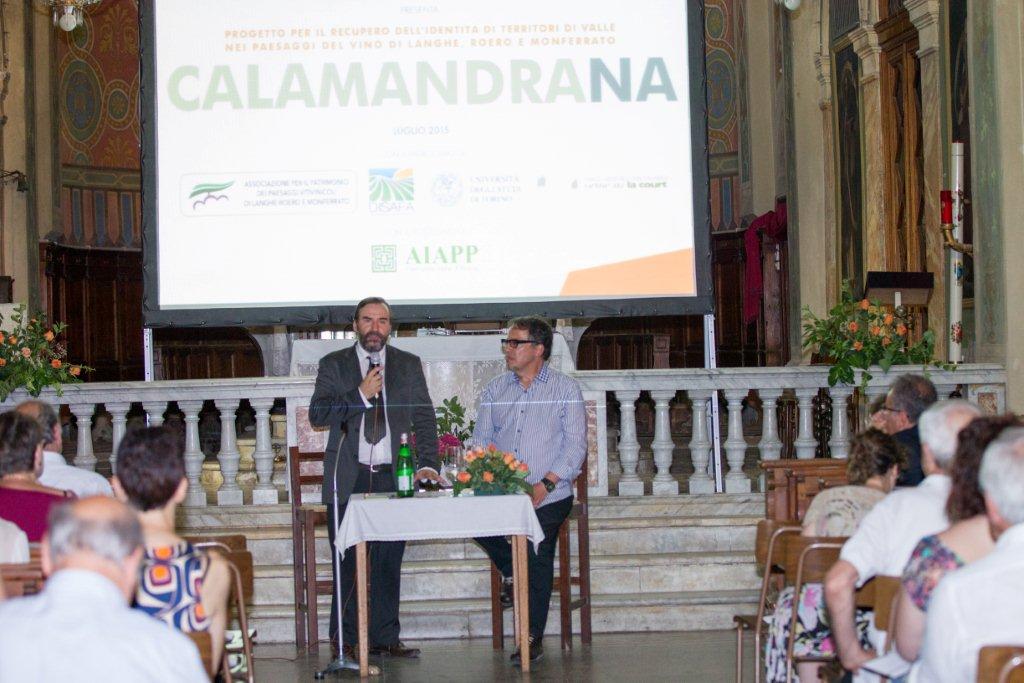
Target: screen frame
(316,315)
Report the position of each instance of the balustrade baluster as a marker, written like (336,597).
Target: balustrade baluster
(265,493)
(229,493)
(839,444)
(84,456)
(664,483)
(629,447)
(736,481)
(155,411)
(700,445)
(193,454)
(118,420)
(805,443)
(770,446)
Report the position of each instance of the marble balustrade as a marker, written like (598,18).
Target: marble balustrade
(984,383)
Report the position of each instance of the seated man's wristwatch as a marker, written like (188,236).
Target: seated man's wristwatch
(548,484)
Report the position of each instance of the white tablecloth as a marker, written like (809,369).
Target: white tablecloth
(421,518)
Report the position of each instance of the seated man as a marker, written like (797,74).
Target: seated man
(185,587)
(23,500)
(908,397)
(80,628)
(57,473)
(981,603)
(888,534)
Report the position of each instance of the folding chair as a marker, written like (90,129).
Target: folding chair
(1001,664)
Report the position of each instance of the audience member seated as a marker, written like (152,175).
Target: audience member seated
(879,416)
(967,540)
(982,603)
(185,587)
(56,471)
(908,397)
(80,627)
(889,532)
(23,500)
(13,543)
(873,466)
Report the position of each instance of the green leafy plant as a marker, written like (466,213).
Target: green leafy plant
(31,357)
(858,333)
(451,419)
(490,471)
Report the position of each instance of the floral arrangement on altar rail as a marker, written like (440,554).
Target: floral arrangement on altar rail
(861,333)
(491,472)
(31,357)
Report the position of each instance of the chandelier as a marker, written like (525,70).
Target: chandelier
(68,13)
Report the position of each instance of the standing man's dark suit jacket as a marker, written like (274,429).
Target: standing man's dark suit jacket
(337,403)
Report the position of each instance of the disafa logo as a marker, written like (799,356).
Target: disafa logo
(392,190)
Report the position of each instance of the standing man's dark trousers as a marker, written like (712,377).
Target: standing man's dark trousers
(541,564)
(385,573)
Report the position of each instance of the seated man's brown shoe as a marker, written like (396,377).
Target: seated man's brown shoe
(350,652)
(397,650)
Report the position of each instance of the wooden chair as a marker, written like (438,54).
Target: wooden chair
(886,593)
(22,579)
(565,579)
(224,542)
(240,564)
(204,643)
(807,560)
(1001,664)
(306,470)
(768,546)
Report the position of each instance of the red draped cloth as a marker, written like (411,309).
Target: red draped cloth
(773,226)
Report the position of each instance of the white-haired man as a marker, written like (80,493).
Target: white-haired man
(57,473)
(887,535)
(982,603)
(81,627)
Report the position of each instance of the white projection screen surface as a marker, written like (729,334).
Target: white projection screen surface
(464,159)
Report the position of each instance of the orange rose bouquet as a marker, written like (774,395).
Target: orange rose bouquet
(492,472)
(31,357)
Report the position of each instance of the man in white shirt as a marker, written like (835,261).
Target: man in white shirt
(982,603)
(56,471)
(81,627)
(887,535)
(13,543)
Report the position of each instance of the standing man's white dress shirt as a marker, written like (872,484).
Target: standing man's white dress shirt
(58,474)
(976,605)
(380,452)
(81,629)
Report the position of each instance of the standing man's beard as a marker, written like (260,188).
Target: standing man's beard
(372,341)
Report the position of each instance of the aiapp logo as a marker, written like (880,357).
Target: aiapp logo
(392,190)
(207,192)
(384,258)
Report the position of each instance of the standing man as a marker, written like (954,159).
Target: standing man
(369,395)
(537,414)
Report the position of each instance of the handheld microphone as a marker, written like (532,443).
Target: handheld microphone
(374,359)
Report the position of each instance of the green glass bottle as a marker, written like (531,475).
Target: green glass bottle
(404,470)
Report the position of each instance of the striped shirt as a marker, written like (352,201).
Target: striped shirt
(544,425)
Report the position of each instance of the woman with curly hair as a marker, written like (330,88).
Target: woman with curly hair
(966,540)
(871,470)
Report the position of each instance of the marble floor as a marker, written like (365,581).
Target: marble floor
(620,657)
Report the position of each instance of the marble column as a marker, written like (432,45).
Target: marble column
(264,493)
(736,480)
(84,456)
(865,44)
(805,444)
(829,222)
(193,455)
(664,483)
(700,444)
(118,421)
(839,444)
(924,14)
(629,447)
(229,492)
(771,445)
(155,412)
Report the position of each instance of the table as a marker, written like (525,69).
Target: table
(377,517)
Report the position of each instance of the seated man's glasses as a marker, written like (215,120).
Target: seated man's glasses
(516,343)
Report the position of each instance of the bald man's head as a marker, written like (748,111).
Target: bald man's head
(48,419)
(97,534)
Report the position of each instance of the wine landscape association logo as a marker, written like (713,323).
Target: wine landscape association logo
(392,190)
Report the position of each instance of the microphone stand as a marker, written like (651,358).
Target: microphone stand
(340,664)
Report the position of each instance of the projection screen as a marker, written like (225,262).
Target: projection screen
(465,159)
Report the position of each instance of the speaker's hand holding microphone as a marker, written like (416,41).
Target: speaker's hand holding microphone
(374,381)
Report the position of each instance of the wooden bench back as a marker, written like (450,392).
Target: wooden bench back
(1001,664)
(813,556)
(766,529)
(22,579)
(227,542)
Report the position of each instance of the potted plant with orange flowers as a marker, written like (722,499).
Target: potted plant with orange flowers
(31,358)
(490,471)
(858,333)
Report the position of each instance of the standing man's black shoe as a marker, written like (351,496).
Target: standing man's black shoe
(397,650)
(536,651)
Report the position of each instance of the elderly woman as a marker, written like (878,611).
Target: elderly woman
(872,469)
(23,500)
(183,586)
(966,540)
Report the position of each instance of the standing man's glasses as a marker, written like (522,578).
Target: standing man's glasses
(516,343)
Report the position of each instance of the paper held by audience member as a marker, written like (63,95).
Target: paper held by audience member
(890,665)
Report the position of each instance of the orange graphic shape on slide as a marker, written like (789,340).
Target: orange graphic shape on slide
(662,274)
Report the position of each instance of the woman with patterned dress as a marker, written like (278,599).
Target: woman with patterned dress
(966,540)
(185,587)
(873,466)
